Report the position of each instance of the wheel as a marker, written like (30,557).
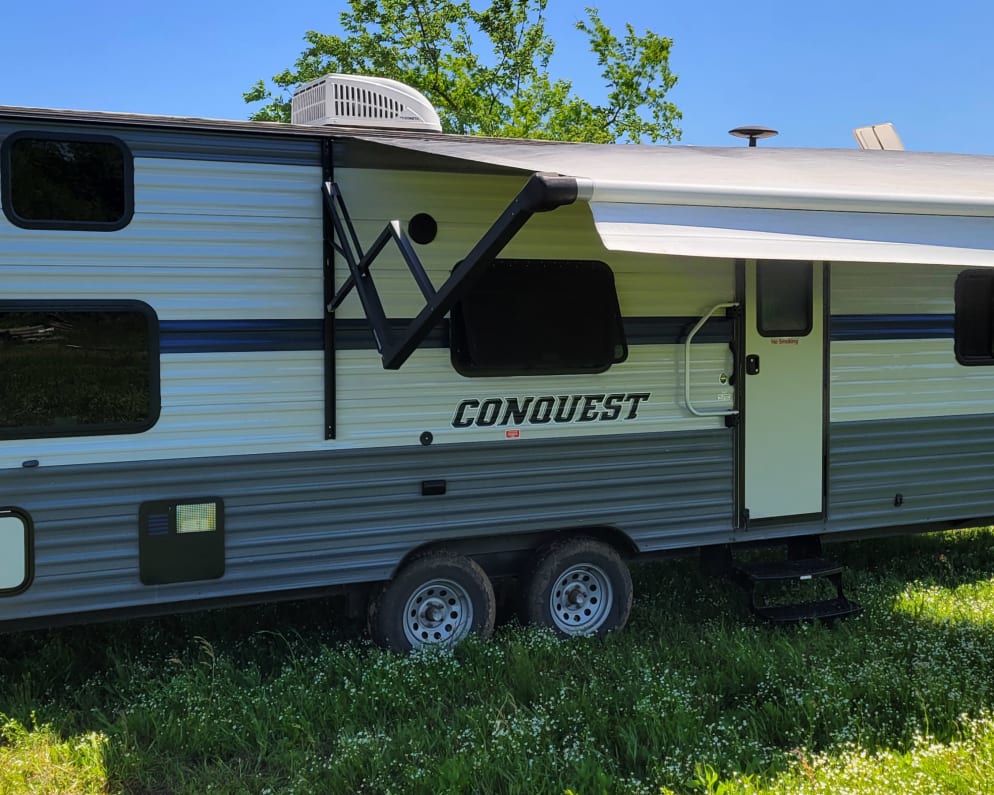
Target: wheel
(579,587)
(436,600)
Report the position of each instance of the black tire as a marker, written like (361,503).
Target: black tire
(579,586)
(436,600)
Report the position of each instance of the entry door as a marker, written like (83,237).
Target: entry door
(782,461)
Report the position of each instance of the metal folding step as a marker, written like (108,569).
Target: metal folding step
(749,575)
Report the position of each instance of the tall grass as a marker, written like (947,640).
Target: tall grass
(694,696)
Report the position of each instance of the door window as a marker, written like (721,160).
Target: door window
(783,297)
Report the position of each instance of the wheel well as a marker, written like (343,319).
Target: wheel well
(507,555)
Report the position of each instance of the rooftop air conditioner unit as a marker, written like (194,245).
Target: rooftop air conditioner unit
(357,101)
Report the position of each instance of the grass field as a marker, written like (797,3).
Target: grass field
(693,697)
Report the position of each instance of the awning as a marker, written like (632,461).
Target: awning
(753,203)
(746,233)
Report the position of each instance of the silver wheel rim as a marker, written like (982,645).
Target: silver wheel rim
(581,599)
(439,613)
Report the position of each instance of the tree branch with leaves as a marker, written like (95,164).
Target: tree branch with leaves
(487,70)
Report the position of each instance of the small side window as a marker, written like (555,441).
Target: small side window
(973,327)
(539,317)
(783,298)
(73,368)
(67,181)
(16,552)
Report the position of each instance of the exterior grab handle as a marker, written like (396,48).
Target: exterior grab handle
(686,364)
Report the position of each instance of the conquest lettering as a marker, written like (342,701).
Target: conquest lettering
(544,409)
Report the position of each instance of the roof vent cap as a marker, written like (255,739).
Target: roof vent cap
(358,101)
(878,136)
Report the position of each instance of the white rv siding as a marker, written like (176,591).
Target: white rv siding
(394,407)
(209,241)
(894,378)
(219,241)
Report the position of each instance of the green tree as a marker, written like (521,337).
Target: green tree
(502,88)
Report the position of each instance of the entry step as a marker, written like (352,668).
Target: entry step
(759,578)
(804,569)
(828,610)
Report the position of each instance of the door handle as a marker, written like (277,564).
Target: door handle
(687,368)
(752,364)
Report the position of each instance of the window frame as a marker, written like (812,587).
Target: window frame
(969,359)
(7,191)
(458,339)
(29,552)
(154,385)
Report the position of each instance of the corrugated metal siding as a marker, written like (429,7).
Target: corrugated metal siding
(318,519)
(178,143)
(212,404)
(393,407)
(273,402)
(890,379)
(217,241)
(880,379)
(860,288)
(943,467)
(208,240)
(466,205)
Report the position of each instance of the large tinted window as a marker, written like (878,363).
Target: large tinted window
(67,182)
(539,317)
(974,322)
(72,370)
(783,297)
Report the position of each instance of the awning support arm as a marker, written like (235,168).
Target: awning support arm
(542,192)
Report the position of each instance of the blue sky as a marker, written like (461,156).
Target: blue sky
(813,70)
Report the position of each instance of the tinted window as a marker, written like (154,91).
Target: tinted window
(67,182)
(66,371)
(538,317)
(974,322)
(783,297)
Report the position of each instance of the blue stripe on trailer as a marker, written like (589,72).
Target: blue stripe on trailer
(212,336)
(892,327)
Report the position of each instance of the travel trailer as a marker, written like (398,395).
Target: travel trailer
(245,361)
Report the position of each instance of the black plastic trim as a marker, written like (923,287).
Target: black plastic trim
(826,383)
(6,193)
(29,552)
(799,518)
(740,519)
(154,388)
(330,327)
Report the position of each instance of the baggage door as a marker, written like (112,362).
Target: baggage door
(782,446)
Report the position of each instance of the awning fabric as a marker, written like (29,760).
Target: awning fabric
(747,233)
(756,203)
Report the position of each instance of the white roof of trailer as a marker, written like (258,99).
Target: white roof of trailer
(763,203)
(741,202)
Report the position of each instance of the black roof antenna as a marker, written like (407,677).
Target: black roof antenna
(753,132)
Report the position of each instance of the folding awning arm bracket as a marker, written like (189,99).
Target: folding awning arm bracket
(542,192)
